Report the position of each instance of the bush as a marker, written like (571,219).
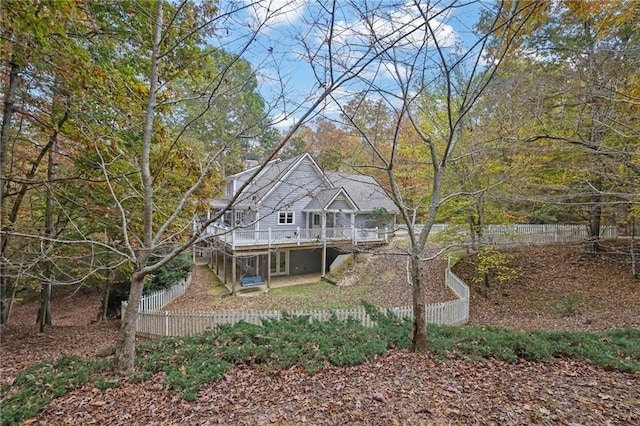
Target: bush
(190,362)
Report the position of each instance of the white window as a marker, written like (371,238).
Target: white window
(239,217)
(317,219)
(285,218)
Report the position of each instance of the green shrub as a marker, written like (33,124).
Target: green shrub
(37,385)
(190,362)
(176,270)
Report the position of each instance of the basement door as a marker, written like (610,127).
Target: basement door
(280,263)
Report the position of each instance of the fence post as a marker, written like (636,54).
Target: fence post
(166,323)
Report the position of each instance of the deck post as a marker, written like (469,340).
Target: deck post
(269,266)
(224,267)
(233,273)
(324,258)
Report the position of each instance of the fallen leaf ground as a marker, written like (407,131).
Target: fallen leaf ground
(398,388)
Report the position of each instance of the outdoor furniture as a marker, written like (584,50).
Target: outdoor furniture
(251,281)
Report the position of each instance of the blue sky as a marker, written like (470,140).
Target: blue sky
(288,34)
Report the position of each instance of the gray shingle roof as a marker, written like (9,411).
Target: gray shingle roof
(364,190)
(265,180)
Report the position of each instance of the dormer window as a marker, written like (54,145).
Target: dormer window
(285,218)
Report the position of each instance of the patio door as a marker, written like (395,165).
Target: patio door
(280,263)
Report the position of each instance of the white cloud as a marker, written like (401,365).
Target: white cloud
(283,122)
(406,25)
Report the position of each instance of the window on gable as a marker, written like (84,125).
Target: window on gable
(285,218)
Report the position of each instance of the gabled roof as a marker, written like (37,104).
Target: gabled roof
(323,199)
(364,190)
(267,180)
(361,191)
(282,175)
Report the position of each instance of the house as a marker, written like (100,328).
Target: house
(293,218)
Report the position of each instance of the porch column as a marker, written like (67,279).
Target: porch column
(354,237)
(224,267)
(233,274)
(324,225)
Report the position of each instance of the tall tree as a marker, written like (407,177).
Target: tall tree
(160,229)
(437,83)
(40,64)
(582,66)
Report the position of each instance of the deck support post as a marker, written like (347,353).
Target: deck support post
(269,270)
(233,273)
(324,258)
(224,267)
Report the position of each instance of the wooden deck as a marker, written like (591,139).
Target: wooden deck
(237,238)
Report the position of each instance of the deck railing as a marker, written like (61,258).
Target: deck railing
(238,237)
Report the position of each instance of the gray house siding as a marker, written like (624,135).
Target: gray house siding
(293,194)
(297,186)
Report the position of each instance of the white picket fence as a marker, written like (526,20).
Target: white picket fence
(541,234)
(154,322)
(527,233)
(164,323)
(160,299)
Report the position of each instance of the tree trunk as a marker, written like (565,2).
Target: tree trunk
(9,95)
(44,312)
(102,315)
(632,252)
(485,285)
(419,341)
(634,260)
(126,343)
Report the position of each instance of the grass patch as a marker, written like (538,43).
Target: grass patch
(191,362)
(302,290)
(217,290)
(319,295)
